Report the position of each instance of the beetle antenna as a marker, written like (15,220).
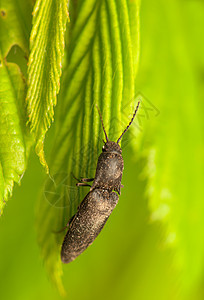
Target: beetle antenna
(135,112)
(102,123)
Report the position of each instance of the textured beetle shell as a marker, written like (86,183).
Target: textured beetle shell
(92,214)
(109,172)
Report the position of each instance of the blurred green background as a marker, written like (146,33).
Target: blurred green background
(153,245)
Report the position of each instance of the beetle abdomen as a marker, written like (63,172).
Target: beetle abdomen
(89,220)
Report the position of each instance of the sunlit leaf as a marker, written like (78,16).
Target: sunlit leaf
(100,69)
(14,138)
(12,144)
(44,69)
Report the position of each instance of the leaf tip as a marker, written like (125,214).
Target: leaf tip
(39,149)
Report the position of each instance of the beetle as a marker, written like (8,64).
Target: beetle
(95,209)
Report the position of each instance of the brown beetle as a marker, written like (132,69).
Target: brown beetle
(97,206)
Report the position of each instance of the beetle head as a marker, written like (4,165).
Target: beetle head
(110,146)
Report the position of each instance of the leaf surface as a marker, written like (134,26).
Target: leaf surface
(100,69)
(14,138)
(44,69)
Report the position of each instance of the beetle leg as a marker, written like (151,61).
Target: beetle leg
(66,226)
(117,188)
(86,179)
(80,181)
(82,184)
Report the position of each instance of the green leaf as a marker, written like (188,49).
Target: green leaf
(100,69)
(44,69)
(15,23)
(175,166)
(12,144)
(14,138)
